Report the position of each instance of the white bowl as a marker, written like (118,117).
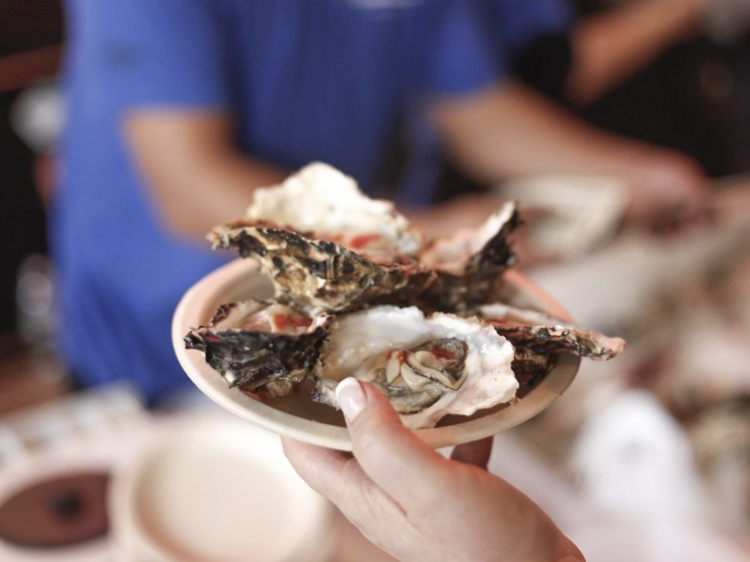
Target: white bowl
(297,416)
(210,488)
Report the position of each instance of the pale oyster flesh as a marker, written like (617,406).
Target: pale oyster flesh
(259,345)
(428,367)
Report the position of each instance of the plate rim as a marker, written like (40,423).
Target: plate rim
(212,384)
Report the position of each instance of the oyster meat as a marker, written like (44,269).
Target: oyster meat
(259,345)
(358,293)
(428,367)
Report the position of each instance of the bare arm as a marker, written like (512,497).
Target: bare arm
(611,46)
(510,131)
(196,176)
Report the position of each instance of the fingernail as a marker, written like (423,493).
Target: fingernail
(351,398)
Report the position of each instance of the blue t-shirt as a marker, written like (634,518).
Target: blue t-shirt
(303,81)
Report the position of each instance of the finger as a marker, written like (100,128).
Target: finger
(325,470)
(400,463)
(476,453)
(337,476)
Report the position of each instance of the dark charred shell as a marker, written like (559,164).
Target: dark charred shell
(545,334)
(321,274)
(256,360)
(456,291)
(531,367)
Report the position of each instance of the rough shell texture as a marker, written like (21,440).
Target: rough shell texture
(548,335)
(324,275)
(469,264)
(256,349)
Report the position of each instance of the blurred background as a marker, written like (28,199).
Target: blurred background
(646,457)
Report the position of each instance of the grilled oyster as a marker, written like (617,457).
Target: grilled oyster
(321,203)
(258,345)
(548,335)
(469,264)
(428,367)
(321,275)
(326,246)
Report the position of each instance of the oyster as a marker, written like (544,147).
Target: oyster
(428,367)
(548,335)
(258,345)
(531,367)
(326,246)
(323,275)
(469,264)
(348,272)
(321,203)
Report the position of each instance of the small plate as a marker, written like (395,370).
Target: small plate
(297,416)
(164,508)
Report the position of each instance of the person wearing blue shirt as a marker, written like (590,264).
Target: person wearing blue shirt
(287,82)
(178,109)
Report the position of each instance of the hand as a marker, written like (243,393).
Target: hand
(415,504)
(667,190)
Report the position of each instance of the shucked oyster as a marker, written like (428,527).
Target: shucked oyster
(468,264)
(548,335)
(321,203)
(329,248)
(260,345)
(321,275)
(326,246)
(428,367)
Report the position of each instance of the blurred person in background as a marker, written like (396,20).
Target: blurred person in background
(668,72)
(178,109)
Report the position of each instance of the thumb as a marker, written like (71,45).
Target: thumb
(398,461)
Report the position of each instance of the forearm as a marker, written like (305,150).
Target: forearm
(512,132)
(610,47)
(196,177)
(211,191)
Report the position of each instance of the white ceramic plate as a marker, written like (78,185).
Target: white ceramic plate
(298,416)
(210,488)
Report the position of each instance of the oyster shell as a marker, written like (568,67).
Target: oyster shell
(326,246)
(258,345)
(548,335)
(469,264)
(322,275)
(322,203)
(348,271)
(428,367)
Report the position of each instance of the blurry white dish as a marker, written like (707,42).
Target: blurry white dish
(577,213)
(298,416)
(210,488)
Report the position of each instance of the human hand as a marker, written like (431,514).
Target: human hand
(667,190)
(417,505)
